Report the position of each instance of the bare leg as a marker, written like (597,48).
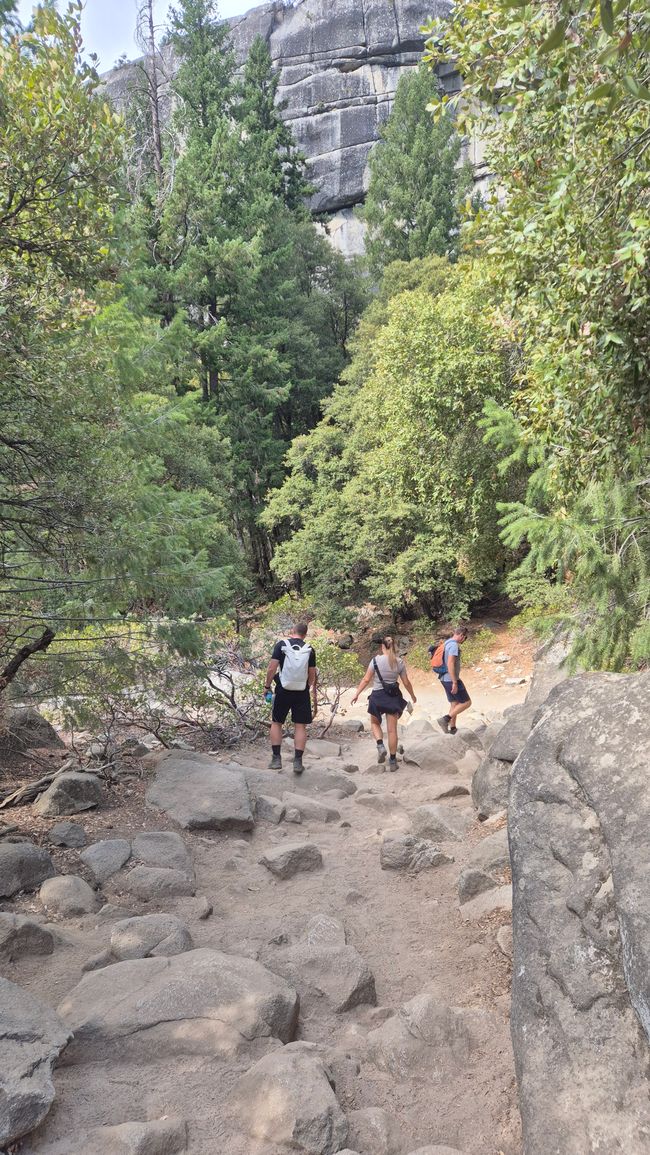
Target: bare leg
(391,726)
(457,709)
(375,726)
(276,733)
(299,737)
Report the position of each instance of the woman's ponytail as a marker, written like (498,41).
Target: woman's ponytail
(389,645)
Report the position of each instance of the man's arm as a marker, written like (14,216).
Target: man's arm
(312,682)
(271,671)
(452,669)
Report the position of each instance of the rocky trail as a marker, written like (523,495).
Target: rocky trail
(242,962)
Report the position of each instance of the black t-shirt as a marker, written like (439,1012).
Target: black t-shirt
(278,654)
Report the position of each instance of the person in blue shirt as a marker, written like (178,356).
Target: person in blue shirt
(452,683)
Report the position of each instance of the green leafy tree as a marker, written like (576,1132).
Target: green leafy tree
(393,494)
(416,183)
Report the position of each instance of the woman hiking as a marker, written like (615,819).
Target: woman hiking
(385,671)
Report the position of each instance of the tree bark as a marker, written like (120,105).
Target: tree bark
(13,666)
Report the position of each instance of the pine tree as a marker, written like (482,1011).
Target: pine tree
(415,180)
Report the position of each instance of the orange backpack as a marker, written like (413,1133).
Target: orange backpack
(438,663)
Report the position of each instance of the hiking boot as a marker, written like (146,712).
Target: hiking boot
(276,762)
(453,729)
(444,723)
(298,766)
(381,753)
(392,764)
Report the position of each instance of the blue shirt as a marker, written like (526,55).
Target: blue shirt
(451,649)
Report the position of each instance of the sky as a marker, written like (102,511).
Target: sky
(108,25)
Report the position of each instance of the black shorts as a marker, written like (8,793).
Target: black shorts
(380,703)
(460,697)
(298,701)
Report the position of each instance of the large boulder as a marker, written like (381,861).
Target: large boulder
(26,729)
(578,821)
(336,973)
(201,1002)
(373,1130)
(20,936)
(200,794)
(310,808)
(437,753)
(23,866)
(287,1099)
(71,793)
(31,1039)
(158,883)
(68,895)
(490,786)
(549,671)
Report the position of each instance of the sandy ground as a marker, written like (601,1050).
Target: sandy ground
(407,927)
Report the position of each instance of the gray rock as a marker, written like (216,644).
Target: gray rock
(473,882)
(20,936)
(68,895)
(31,1039)
(23,866)
(321,748)
(268,809)
(166,1136)
(448,788)
(287,1099)
(491,854)
(287,860)
(373,1130)
(438,753)
(200,794)
(549,671)
(310,808)
(323,930)
(354,725)
(406,852)
(336,973)
(380,803)
(105,858)
(490,786)
(426,1034)
(70,793)
(67,834)
(292,815)
(440,822)
(498,899)
(437,1150)
(151,935)
(578,821)
(162,848)
(158,883)
(202,1002)
(26,729)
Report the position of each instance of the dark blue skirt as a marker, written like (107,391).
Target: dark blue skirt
(380,703)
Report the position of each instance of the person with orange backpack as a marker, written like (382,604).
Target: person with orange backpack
(445,662)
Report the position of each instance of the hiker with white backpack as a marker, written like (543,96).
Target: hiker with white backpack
(293,668)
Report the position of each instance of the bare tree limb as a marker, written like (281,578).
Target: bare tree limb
(13,666)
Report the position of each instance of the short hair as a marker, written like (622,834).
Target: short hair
(300,630)
(461,628)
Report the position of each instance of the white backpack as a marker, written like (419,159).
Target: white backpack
(295,668)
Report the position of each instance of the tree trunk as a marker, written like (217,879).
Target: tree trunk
(14,664)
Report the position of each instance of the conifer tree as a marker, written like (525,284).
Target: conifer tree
(415,181)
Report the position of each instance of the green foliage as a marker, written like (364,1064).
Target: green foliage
(392,496)
(567,227)
(411,207)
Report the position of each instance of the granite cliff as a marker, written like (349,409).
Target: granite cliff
(339,62)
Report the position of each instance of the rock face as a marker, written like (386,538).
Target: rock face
(578,822)
(202,1002)
(23,866)
(339,65)
(198,793)
(286,1098)
(31,1039)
